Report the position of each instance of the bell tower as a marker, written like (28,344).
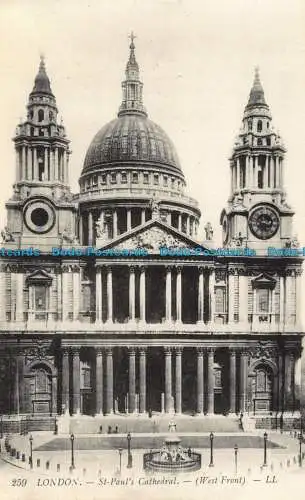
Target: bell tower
(257,214)
(42,201)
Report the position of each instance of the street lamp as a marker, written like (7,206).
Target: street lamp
(72,451)
(211,464)
(235,457)
(129,461)
(265,449)
(1,429)
(300,448)
(31,451)
(120,454)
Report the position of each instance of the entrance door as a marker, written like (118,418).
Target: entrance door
(262,389)
(41,390)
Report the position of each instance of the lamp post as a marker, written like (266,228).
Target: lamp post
(265,449)
(1,430)
(300,448)
(120,455)
(235,457)
(129,461)
(211,464)
(31,451)
(72,451)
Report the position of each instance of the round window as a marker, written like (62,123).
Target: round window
(39,217)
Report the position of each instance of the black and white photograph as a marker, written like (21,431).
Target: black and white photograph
(152,223)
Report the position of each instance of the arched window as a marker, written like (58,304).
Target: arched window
(40,115)
(250,124)
(259,125)
(268,141)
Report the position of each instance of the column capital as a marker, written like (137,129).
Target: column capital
(109,268)
(65,351)
(132,351)
(179,269)
(75,350)
(132,268)
(178,350)
(109,351)
(200,350)
(142,351)
(168,350)
(169,268)
(210,350)
(99,351)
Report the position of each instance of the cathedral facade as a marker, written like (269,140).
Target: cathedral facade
(111,305)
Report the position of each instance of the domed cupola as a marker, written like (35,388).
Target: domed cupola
(130,161)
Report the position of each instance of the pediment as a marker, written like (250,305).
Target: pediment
(264,280)
(40,276)
(152,236)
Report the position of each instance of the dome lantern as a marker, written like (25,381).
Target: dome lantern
(132,87)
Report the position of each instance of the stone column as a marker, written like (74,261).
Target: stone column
(288,291)
(281,379)
(128,219)
(243,381)
(19,296)
(132,380)
(277,172)
(178,380)
(237,173)
(168,295)
(212,294)
(98,294)
(76,380)
(28,172)
(243,297)
(298,291)
(143,216)
(23,160)
(142,380)
(282,300)
(168,380)
(232,380)
(115,223)
(109,383)
(2,293)
(179,222)
(56,164)
(289,381)
(45,165)
(179,295)
(200,381)
(211,381)
(231,295)
(109,295)
(90,228)
(99,380)
(251,176)
(80,230)
(65,381)
(187,225)
(65,293)
(200,295)
(35,164)
(132,294)
(76,293)
(142,294)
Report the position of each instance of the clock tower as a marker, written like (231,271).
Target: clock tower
(41,210)
(257,214)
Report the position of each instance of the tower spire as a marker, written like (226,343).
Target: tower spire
(132,86)
(42,82)
(256,97)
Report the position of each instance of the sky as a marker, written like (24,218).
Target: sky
(197,61)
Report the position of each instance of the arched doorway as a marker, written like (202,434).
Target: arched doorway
(40,389)
(262,384)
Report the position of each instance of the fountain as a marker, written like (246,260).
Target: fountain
(172,457)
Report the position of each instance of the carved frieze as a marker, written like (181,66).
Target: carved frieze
(152,239)
(263,350)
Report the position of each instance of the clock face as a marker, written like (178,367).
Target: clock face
(264,222)
(39,216)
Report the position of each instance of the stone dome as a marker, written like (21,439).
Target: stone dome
(132,139)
